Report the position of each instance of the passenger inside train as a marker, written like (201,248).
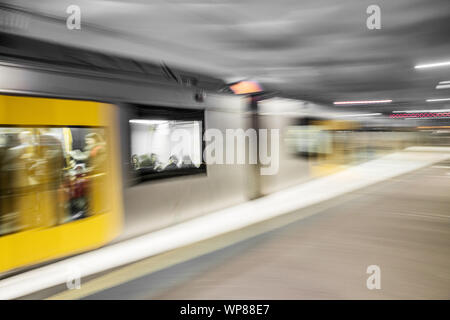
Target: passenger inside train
(52,168)
(165,145)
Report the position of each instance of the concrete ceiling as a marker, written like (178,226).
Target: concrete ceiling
(318,50)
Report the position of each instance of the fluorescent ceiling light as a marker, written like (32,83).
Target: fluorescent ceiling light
(361,115)
(143,121)
(432,65)
(437,100)
(444,82)
(443,86)
(419,111)
(362,102)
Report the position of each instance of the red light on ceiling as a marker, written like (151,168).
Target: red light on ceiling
(246,87)
(421,115)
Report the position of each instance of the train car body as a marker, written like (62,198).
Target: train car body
(63,98)
(52,207)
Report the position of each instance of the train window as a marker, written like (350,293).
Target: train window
(308,140)
(166,147)
(50,176)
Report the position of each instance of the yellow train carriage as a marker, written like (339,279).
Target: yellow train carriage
(60,184)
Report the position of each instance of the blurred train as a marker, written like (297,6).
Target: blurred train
(85,154)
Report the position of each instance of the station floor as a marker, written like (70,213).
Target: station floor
(401,225)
